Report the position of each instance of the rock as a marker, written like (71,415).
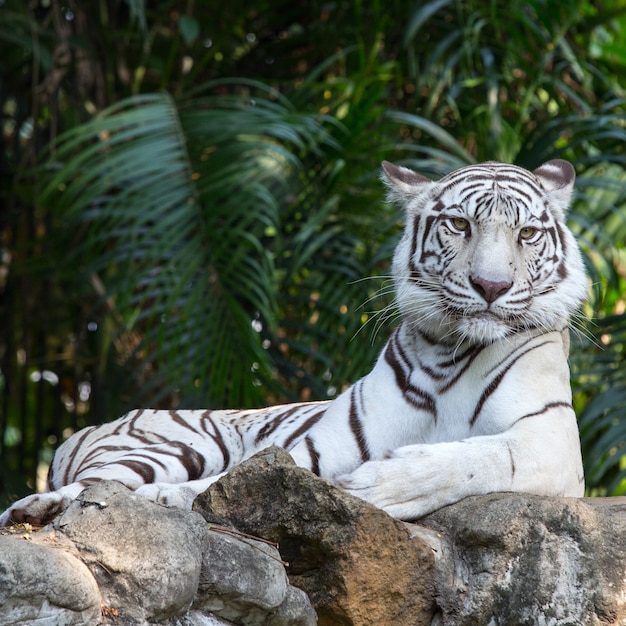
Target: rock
(244,580)
(495,560)
(45,584)
(246,569)
(114,557)
(146,558)
(356,564)
(519,559)
(198,618)
(294,610)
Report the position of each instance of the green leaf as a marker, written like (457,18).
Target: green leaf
(188,28)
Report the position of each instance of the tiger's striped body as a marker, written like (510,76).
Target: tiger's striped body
(470,395)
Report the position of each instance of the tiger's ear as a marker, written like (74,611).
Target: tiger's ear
(557,179)
(402,183)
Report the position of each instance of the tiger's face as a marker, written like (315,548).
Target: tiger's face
(486,251)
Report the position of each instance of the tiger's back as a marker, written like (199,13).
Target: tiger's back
(470,395)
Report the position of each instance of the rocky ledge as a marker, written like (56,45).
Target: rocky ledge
(270,544)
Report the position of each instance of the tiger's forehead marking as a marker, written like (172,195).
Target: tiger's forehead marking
(492,175)
(487,190)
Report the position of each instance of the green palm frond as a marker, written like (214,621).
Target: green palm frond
(170,205)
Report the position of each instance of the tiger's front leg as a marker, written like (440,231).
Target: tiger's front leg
(415,480)
(541,458)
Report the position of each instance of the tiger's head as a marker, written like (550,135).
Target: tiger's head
(485,251)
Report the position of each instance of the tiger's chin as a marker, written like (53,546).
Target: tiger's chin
(482,329)
(476,329)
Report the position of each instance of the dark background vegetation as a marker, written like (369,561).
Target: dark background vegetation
(190,204)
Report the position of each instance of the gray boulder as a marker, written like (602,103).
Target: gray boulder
(114,557)
(521,559)
(244,581)
(43,582)
(146,558)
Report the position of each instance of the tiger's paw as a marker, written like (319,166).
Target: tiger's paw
(37,509)
(168,494)
(407,484)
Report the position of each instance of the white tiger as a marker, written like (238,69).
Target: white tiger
(470,395)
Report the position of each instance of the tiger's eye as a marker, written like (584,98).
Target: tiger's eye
(527,232)
(460,223)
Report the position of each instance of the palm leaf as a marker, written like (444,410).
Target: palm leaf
(171,203)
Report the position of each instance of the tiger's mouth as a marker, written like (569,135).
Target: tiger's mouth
(482,326)
(485,315)
(485,327)
(478,314)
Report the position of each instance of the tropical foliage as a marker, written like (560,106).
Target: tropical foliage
(193,215)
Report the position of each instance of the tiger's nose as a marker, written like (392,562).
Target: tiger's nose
(490,290)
